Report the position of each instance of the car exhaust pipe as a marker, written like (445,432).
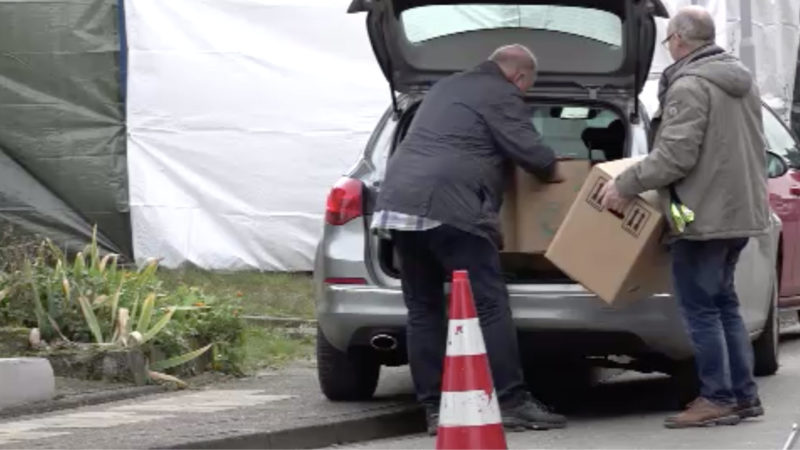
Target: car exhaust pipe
(383,342)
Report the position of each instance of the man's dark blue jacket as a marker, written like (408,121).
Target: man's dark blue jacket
(453,164)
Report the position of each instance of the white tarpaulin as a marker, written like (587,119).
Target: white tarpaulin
(241,115)
(776,36)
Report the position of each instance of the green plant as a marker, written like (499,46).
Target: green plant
(179,360)
(16,245)
(202,319)
(90,299)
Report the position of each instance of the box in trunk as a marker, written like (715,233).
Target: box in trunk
(619,257)
(541,207)
(533,211)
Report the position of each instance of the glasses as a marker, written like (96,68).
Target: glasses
(666,41)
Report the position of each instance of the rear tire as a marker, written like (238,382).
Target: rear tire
(562,384)
(766,348)
(345,376)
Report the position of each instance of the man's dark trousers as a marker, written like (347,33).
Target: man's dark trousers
(427,258)
(703,272)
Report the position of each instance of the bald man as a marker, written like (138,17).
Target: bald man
(709,154)
(440,202)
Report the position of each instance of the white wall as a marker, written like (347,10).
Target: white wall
(241,115)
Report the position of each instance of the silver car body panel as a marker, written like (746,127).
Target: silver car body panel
(350,251)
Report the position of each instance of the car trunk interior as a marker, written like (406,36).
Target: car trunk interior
(593,133)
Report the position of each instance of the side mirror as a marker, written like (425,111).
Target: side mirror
(793,158)
(777,166)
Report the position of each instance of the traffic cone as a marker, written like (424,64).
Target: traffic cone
(469,414)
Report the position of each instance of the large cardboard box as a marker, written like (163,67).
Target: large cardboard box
(620,257)
(541,207)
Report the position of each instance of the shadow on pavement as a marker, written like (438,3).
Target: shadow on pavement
(626,393)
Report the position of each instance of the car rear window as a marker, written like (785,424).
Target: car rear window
(424,23)
(578,132)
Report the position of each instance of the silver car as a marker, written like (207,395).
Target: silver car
(594,57)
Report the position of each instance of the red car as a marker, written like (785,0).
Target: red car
(784,196)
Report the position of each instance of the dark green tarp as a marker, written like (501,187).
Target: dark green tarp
(62,132)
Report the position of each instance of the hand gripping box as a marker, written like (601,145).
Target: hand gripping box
(619,257)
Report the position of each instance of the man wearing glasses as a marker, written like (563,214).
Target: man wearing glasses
(709,154)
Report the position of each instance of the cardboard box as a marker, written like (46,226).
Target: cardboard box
(618,257)
(541,207)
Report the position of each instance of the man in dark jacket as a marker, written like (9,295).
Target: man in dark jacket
(441,199)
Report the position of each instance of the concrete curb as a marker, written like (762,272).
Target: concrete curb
(380,424)
(25,380)
(76,401)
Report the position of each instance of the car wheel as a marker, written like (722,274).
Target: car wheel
(345,376)
(766,348)
(562,384)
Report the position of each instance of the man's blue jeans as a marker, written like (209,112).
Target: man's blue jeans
(703,273)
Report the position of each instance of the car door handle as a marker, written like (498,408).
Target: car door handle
(795,190)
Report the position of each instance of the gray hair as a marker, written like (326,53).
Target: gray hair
(694,25)
(515,57)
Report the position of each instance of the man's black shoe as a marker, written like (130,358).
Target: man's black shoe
(530,414)
(432,418)
(749,408)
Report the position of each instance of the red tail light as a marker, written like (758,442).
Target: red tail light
(344,202)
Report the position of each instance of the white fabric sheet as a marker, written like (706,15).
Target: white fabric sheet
(241,115)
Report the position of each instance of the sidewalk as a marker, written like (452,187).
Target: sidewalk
(281,409)
(74,393)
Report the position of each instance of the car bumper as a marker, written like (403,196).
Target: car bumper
(347,311)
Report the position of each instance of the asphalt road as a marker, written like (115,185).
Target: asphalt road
(627,412)
(285,409)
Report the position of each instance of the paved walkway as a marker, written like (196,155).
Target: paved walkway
(285,409)
(256,412)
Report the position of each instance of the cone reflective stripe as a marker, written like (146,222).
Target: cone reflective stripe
(464,337)
(458,409)
(469,415)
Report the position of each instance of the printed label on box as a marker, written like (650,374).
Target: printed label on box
(594,195)
(636,219)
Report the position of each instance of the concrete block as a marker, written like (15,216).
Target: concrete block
(25,380)
(91,363)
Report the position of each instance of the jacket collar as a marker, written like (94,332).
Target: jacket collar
(490,67)
(670,72)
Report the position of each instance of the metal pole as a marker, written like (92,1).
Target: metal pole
(747,48)
(792,438)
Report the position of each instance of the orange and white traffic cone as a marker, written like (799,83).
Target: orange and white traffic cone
(469,414)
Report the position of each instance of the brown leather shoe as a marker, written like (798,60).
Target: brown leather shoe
(703,413)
